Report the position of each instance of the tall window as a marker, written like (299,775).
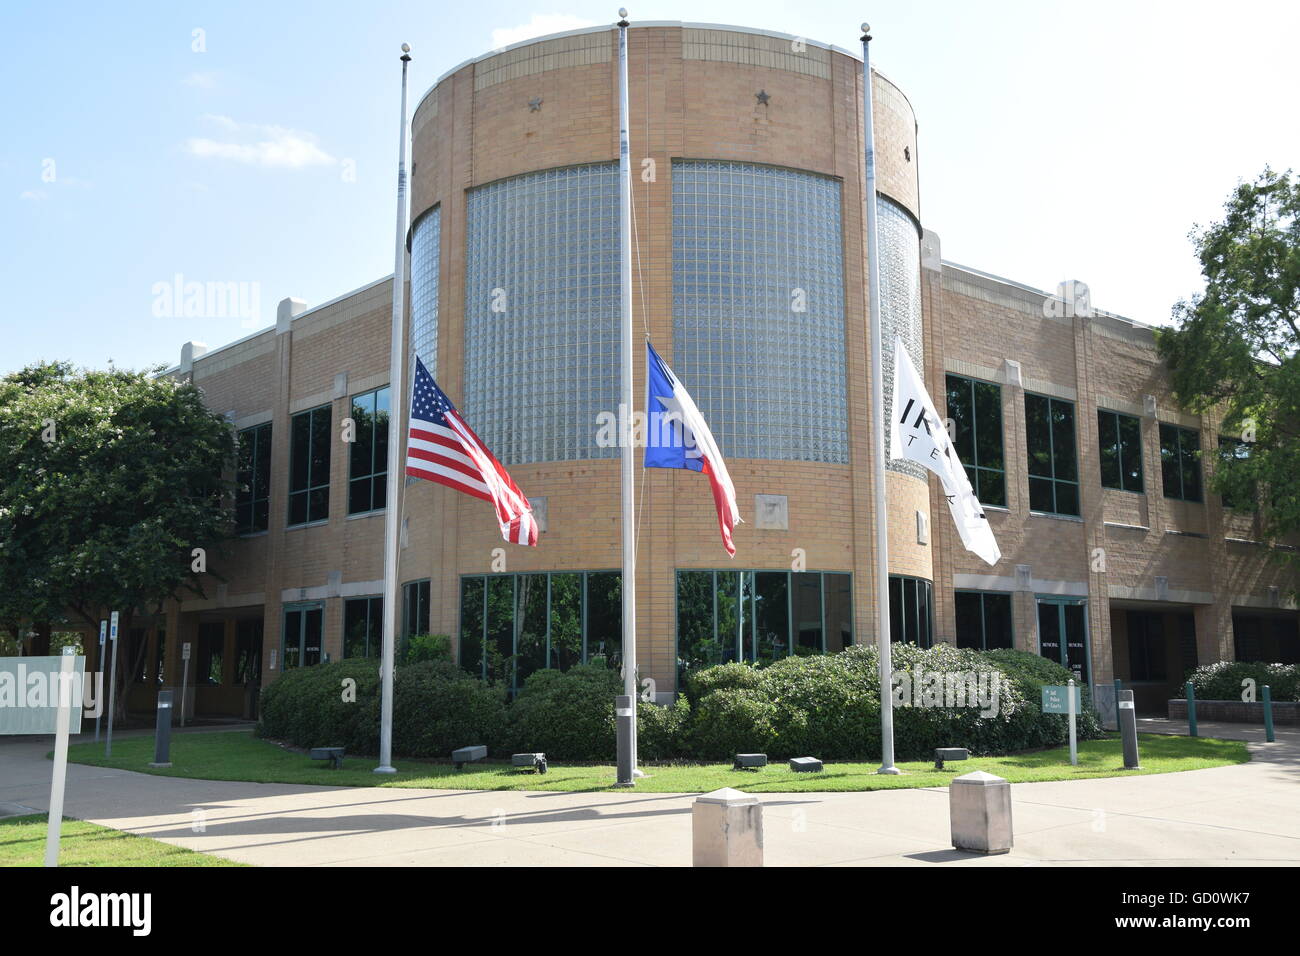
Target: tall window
(253,494)
(1241,495)
(1146,646)
(983,620)
(415,608)
(309,467)
(363,627)
(368,460)
(514,624)
(1053,465)
(911,610)
(303,633)
(1120,440)
(212,652)
(248,650)
(760,616)
(976,409)
(1180,462)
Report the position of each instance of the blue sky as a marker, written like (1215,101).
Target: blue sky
(1079,140)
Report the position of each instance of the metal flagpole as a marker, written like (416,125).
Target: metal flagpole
(878,422)
(396,368)
(627,474)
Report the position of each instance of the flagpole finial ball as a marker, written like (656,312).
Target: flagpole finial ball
(622,13)
(406,48)
(866,27)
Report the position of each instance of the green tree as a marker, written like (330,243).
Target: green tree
(108,482)
(1234,349)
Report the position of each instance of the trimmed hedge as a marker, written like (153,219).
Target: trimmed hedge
(569,715)
(1222,681)
(436,708)
(829,706)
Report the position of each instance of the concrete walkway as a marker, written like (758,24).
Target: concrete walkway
(1240,815)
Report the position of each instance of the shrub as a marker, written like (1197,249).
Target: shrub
(829,706)
(427,647)
(437,707)
(1030,672)
(567,714)
(1222,680)
(661,731)
(305,706)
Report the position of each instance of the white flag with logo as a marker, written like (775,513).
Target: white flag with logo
(918,433)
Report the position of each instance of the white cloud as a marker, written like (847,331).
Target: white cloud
(203,81)
(255,144)
(540,25)
(33,195)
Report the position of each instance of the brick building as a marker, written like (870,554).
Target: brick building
(750,279)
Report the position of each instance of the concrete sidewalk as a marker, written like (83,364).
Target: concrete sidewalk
(1240,815)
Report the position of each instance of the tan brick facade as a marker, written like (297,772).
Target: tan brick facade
(693,96)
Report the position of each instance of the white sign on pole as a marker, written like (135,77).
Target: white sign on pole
(112,627)
(66,704)
(185,651)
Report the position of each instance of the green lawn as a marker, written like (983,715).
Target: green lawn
(22,843)
(238,755)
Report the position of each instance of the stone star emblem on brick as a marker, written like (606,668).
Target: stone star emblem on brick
(535,105)
(762,96)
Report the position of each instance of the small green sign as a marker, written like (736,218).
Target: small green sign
(1055,701)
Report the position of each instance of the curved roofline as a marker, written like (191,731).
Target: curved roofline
(684,24)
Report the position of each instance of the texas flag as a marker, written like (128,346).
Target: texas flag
(677,437)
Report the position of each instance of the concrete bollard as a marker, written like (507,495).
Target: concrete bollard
(727,829)
(979,808)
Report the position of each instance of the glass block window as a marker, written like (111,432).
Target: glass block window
(1053,459)
(253,480)
(309,467)
(899,244)
(542,313)
(976,410)
(1120,440)
(1180,462)
(758,308)
(983,620)
(368,453)
(426,238)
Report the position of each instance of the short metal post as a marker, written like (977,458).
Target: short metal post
(1268,715)
(163,734)
(623,721)
(1128,729)
(1191,709)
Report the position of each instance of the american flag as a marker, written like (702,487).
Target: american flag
(441,447)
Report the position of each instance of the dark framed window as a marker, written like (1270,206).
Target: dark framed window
(212,654)
(1240,495)
(1119,438)
(911,610)
(976,410)
(303,635)
(984,620)
(1272,639)
(512,625)
(1180,462)
(248,650)
(253,480)
(368,458)
(309,467)
(760,616)
(1053,459)
(363,627)
(415,608)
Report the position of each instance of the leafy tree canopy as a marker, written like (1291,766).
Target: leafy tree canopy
(1235,347)
(108,481)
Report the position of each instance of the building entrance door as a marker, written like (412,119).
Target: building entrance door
(1063,634)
